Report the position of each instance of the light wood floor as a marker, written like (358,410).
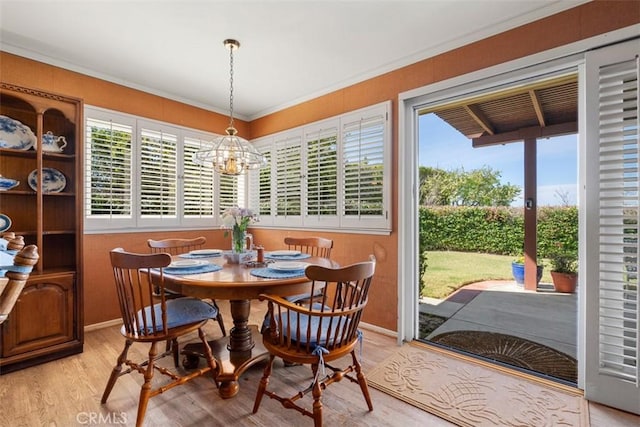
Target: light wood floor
(67,392)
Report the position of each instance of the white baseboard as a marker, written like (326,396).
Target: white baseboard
(101,325)
(378,329)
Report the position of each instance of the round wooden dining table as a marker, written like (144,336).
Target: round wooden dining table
(242,348)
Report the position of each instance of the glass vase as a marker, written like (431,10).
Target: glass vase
(238,240)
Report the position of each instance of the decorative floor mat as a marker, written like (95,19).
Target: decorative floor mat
(473,393)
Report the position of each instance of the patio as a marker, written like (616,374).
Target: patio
(544,317)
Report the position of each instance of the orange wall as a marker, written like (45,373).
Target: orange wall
(100,93)
(100,301)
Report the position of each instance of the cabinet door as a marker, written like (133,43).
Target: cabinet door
(42,317)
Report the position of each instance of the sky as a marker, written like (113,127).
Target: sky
(444,147)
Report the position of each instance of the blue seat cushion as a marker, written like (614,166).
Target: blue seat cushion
(329,326)
(180,312)
(295,298)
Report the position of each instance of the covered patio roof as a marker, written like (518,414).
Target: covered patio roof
(542,109)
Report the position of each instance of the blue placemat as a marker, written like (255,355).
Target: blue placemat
(286,257)
(267,273)
(196,256)
(181,271)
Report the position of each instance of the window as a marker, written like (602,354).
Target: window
(231,192)
(109,186)
(322,175)
(197,183)
(158,169)
(330,174)
(140,174)
(333,174)
(264,185)
(288,164)
(363,160)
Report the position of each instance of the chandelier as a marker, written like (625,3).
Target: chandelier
(230,154)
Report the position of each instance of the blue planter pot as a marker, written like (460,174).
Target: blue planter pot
(518,272)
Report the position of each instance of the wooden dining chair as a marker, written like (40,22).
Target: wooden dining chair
(177,247)
(17,273)
(319,333)
(163,321)
(314,246)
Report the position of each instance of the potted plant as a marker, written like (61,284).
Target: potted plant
(564,269)
(517,269)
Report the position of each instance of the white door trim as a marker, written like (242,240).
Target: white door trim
(563,57)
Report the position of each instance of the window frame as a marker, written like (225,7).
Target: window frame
(115,223)
(373,224)
(163,135)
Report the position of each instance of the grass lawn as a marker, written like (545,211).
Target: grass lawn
(448,271)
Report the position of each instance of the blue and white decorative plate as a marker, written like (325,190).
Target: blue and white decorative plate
(14,134)
(7,183)
(5,222)
(53,181)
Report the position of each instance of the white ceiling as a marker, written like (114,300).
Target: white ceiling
(291,51)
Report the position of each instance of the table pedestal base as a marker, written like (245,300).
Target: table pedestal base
(231,363)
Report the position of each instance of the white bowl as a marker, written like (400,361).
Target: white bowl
(288,266)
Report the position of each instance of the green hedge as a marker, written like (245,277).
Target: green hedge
(495,230)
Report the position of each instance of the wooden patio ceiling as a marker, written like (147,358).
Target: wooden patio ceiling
(541,110)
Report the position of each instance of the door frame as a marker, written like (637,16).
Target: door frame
(561,59)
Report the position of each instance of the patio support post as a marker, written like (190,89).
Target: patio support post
(530,214)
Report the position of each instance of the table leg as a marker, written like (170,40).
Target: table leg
(240,335)
(235,353)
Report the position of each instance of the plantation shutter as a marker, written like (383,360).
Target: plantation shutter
(288,169)
(612,343)
(261,187)
(158,176)
(108,183)
(264,193)
(197,183)
(335,173)
(364,146)
(321,175)
(230,192)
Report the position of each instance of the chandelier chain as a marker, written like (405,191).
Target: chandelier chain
(231,86)
(230,154)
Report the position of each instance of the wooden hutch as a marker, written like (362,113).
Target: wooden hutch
(47,321)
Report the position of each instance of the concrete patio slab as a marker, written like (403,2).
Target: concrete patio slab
(548,318)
